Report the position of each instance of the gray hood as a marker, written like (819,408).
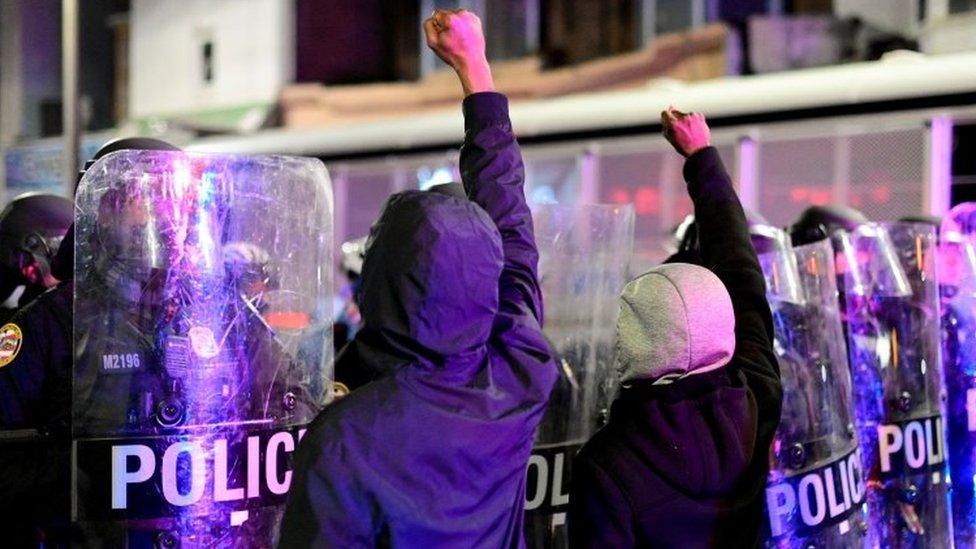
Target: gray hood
(675,320)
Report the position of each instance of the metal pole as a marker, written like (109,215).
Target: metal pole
(841,183)
(938,156)
(69,80)
(747,170)
(589,166)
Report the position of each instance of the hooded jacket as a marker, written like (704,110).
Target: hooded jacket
(684,464)
(434,453)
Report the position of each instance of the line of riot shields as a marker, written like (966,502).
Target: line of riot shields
(875,444)
(202,336)
(202,344)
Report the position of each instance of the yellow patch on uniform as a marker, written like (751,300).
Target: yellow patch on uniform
(339,389)
(10,341)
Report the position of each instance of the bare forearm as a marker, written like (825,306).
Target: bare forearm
(475,77)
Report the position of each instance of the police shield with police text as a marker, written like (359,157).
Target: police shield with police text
(816,484)
(583,259)
(201,337)
(891,312)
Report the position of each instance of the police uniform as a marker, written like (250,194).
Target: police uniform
(35,361)
(138,362)
(35,384)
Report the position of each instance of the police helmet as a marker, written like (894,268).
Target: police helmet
(685,235)
(820,222)
(31,229)
(63,263)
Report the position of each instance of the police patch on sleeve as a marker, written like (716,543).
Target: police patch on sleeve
(10,341)
(203,342)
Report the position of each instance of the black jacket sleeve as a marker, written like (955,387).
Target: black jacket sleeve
(493,176)
(599,515)
(726,249)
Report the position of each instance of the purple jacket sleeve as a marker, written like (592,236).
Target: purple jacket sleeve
(326,509)
(493,177)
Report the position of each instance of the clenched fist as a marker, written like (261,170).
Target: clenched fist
(687,132)
(457,38)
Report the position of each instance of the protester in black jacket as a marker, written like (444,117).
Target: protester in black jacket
(684,458)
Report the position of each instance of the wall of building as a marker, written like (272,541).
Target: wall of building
(252,54)
(30,63)
(897,16)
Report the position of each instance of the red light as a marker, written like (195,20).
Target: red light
(619,196)
(881,194)
(288,320)
(799,194)
(647,201)
(819,198)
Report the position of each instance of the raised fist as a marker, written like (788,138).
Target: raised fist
(687,132)
(457,38)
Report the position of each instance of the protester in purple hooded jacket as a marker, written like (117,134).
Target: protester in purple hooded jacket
(434,453)
(683,459)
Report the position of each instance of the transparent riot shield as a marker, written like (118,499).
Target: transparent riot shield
(202,329)
(584,256)
(816,488)
(891,313)
(779,264)
(957,287)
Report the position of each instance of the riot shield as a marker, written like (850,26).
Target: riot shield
(891,312)
(957,287)
(816,489)
(202,344)
(584,255)
(779,266)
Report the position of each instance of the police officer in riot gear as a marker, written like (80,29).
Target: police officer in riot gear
(31,229)
(684,246)
(35,384)
(957,289)
(816,440)
(150,324)
(42,344)
(187,323)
